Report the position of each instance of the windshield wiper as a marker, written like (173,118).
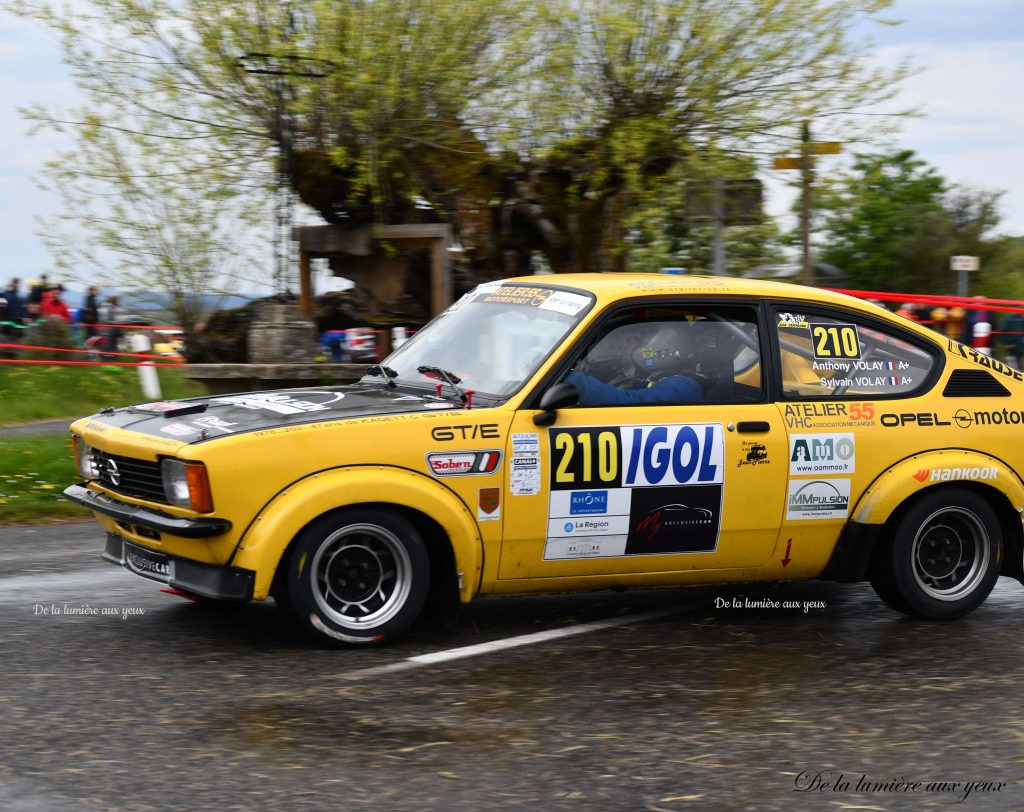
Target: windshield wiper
(449,378)
(379,370)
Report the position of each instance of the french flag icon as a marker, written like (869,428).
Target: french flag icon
(890,365)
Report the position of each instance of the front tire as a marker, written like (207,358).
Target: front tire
(357,576)
(944,557)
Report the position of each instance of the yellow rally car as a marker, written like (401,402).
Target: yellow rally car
(583,432)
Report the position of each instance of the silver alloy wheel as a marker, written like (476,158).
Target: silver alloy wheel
(361,575)
(951,553)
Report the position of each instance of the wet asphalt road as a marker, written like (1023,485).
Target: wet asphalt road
(186,706)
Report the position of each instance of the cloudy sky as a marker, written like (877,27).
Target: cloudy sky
(970,56)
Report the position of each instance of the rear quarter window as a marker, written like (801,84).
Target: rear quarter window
(833,354)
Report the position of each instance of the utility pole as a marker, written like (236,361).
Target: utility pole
(806,179)
(805,163)
(281,68)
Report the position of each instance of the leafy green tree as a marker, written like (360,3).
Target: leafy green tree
(893,222)
(530,127)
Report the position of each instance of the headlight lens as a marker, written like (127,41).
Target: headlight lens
(187,485)
(84,458)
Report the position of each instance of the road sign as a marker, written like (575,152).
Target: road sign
(737,202)
(787,163)
(826,147)
(964,263)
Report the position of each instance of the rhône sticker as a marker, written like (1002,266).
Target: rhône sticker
(636,490)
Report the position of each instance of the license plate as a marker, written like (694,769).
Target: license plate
(148,563)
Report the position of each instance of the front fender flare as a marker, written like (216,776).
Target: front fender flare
(268,536)
(916,474)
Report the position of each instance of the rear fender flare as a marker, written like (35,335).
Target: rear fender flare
(916,474)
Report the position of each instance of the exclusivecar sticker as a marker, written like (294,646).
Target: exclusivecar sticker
(463,463)
(637,490)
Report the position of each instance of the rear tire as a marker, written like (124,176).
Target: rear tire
(944,557)
(357,576)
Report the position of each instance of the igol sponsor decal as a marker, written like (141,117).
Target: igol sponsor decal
(463,463)
(955,474)
(1004,417)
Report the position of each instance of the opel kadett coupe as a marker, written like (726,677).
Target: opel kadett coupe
(583,432)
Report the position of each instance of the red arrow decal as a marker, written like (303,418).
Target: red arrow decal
(787,559)
(922,475)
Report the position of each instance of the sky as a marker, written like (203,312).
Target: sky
(969,55)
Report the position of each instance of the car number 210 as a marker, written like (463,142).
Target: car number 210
(636,456)
(586,458)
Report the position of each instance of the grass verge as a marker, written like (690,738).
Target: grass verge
(42,392)
(33,474)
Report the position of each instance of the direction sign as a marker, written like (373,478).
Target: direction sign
(964,263)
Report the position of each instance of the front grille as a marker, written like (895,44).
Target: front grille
(974,383)
(137,478)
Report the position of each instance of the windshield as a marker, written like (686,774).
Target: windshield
(492,340)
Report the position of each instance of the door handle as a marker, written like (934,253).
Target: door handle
(753,427)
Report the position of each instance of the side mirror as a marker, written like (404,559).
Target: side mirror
(559,396)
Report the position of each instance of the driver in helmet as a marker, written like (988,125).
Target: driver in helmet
(661,370)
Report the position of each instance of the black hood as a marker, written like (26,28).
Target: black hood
(207,418)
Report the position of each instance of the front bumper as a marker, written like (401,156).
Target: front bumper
(138,516)
(206,580)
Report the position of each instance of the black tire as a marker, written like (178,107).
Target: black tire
(883,581)
(943,558)
(357,576)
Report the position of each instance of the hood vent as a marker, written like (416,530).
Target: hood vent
(973,383)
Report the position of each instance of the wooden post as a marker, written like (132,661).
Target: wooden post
(305,283)
(806,178)
(440,276)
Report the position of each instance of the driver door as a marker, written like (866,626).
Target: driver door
(653,487)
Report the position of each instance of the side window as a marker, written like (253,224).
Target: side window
(839,355)
(672,354)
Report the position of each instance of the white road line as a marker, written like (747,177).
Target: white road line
(434,658)
(47,584)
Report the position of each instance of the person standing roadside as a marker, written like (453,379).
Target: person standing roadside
(15,306)
(91,312)
(53,307)
(1013,328)
(108,313)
